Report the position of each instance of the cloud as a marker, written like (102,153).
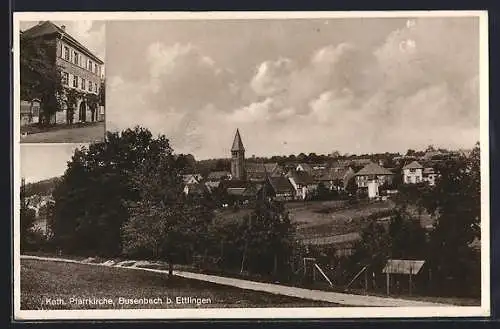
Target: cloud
(91,34)
(417,86)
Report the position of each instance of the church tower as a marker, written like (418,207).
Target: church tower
(238,158)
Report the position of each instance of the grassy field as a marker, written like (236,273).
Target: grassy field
(317,219)
(321,218)
(43,282)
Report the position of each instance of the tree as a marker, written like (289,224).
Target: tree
(27,219)
(102,93)
(72,96)
(91,200)
(267,238)
(410,152)
(407,237)
(93,103)
(40,77)
(456,203)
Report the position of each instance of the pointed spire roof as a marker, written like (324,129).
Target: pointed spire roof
(237,143)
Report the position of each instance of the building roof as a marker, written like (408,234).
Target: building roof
(413,165)
(269,167)
(237,143)
(47,28)
(218,175)
(373,169)
(332,174)
(403,266)
(281,184)
(306,167)
(301,177)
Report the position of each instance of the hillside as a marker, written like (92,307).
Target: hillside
(43,187)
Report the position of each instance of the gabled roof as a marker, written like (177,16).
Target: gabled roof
(48,28)
(413,165)
(332,174)
(218,175)
(305,166)
(281,184)
(269,167)
(301,177)
(237,143)
(373,169)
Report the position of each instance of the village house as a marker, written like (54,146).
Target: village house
(373,172)
(371,177)
(336,178)
(413,173)
(81,71)
(303,183)
(279,188)
(257,172)
(429,176)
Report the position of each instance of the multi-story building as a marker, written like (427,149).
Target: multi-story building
(413,173)
(81,73)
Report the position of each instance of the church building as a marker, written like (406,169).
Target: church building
(238,158)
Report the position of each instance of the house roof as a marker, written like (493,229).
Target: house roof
(373,169)
(48,28)
(413,165)
(237,143)
(269,167)
(332,174)
(403,266)
(197,188)
(301,177)
(305,166)
(281,184)
(217,175)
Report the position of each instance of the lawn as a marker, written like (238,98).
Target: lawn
(67,285)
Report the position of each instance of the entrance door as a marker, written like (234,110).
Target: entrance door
(83,112)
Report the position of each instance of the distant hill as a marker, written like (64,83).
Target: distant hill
(43,187)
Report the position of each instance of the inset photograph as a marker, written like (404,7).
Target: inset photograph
(62,81)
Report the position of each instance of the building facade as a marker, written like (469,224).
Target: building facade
(413,173)
(81,74)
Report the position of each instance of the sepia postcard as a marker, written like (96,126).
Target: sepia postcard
(237,165)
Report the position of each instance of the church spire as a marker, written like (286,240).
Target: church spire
(237,143)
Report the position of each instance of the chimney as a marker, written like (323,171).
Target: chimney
(63,27)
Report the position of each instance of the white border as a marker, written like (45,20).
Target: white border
(270,313)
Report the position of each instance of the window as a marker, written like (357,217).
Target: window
(66,53)
(96,88)
(83,84)
(65,78)
(95,68)
(75,81)
(89,67)
(90,86)
(75,59)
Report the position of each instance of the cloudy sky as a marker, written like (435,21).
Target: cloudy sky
(290,86)
(89,33)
